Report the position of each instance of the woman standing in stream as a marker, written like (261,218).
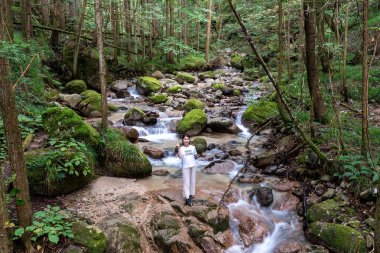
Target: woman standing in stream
(187,153)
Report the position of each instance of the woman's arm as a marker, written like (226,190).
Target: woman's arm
(179,154)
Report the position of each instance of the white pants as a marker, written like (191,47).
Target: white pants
(188,181)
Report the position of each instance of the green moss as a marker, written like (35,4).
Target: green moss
(338,237)
(236,92)
(219,224)
(131,238)
(49,181)
(90,237)
(75,86)
(196,232)
(134,113)
(50,94)
(158,98)
(236,62)
(374,94)
(93,101)
(148,84)
(175,89)
(123,158)
(264,79)
(192,62)
(193,104)
(194,119)
(259,113)
(219,86)
(251,74)
(185,77)
(200,144)
(208,74)
(325,211)
(62,122)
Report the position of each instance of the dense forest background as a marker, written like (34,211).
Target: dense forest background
(323,57)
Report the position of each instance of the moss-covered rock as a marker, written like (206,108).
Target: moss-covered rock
(175,89)
(182,77)
(208,74)
(193,123)
(124,159)
(236,62)
(251,74)
(192,104)
(62,122)
(219,223)
(192,62)
(90,237)
(47,176)
(325,211)
(200,145)
(88,63)
(134,115)
(158,98)
(75,87)
(259,113)
(219,86)
(91,104)
(236,93)
(338,238)
(146,85)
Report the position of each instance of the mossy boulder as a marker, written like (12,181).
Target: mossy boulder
(237,62)
(51,180)
(122,236)
(192,62)
(62,122)
(90,237)
(124,159)
(182,77)
(75,87)
(175,89)
(91,104)
(88,63)
(338,238)
(219,86)
(251,74)
(134,115)
(258,113)
(158,98)
(200,145)
(208,74)
(192,104)
(146,85)
(328,211)
(236,93)
(193,123)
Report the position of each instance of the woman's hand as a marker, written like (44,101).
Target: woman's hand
(177,146)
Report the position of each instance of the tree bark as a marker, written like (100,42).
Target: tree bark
(26,19)
(45,11)
(365,134)
(280,44)
(289,66)
(197,27)
(170,56)
(142,32)
(208,28)
(304,136)
(185,22)
(56,20)
(301,47)
(345,45)
(115,28)
(322,52)
(6,20)
(77,39)
(102,64)
(128,28)
(319,109)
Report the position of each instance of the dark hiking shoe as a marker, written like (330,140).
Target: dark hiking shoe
(188,202)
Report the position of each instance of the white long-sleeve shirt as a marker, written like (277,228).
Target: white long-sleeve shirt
(187,154)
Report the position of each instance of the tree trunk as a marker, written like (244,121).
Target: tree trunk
(6,17)
(170,56)
(5,242)
(185,22)
(197,26)
(289,66)
(301,47)
(77,39)
(26,19)
(365,134)
(208,28)
(142,32)
(56,20)
(102,64)
(345,44)
(280,45)
(45,11)
(322,52)
(15,153)
(319,109)
(128,28)
(167,21)
(115,28)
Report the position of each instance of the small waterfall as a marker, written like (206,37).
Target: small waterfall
(133,92)
(159,132)
(244,131)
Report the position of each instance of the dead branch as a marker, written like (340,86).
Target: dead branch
(24,71)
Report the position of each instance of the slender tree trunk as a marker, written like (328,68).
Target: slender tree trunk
(280,44)
(365,134)
(115,28)
(179,34)
(45,11)
(311,67)
(322,52)
(5,242)
(128,28)
(102,63)
(301,49)
(77,39)
(6,20)
(219,23)
(345,44)
(171,10)
(197,26)
(208,28)
(167,21)
(26,17)
(56,14)
(289,67)
(142,27)
(185,22)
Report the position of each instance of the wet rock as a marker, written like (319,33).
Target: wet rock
(200,144)
(131,133)
(158,75)
(227,92)
(285,185)
(120,85)
(219,167)
(153,152)
(264,196)
(122,93)
(251,178)
(73,249)
(291,247)
(264,160)
(193,123)
(146,85)
(326,211)
(329,194)
(223,125)
(90,237)
(71,100)
(286,202)
(234,152)
(161,172)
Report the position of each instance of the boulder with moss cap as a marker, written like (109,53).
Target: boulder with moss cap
(75,87)
(175,89)
(90,237)
(183,77)
(258,113)
(192,104)
(91,104)
(146,85)
(158,98)
(193,123)
(62,122)
(124,159)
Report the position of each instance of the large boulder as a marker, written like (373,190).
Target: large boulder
(153,152)
(264,196)
(193,123)
(120,87)
(75,87)
(124,159)
(223,125)
(131,133)
(62,122)
(183,77)
(259,113)
(336,237)
(122,236)
(220,167)
(325,211)
(146,85)
(91,104)
(158,98)
(90,237)
(192,104)
(135,115)
(71,100)
(88,63)
(48,174)
(200,144)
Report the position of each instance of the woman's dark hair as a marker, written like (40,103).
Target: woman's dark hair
(185,135)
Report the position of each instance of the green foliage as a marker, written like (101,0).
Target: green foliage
(191,62)
(219,86)
(158,98)
(49,223)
